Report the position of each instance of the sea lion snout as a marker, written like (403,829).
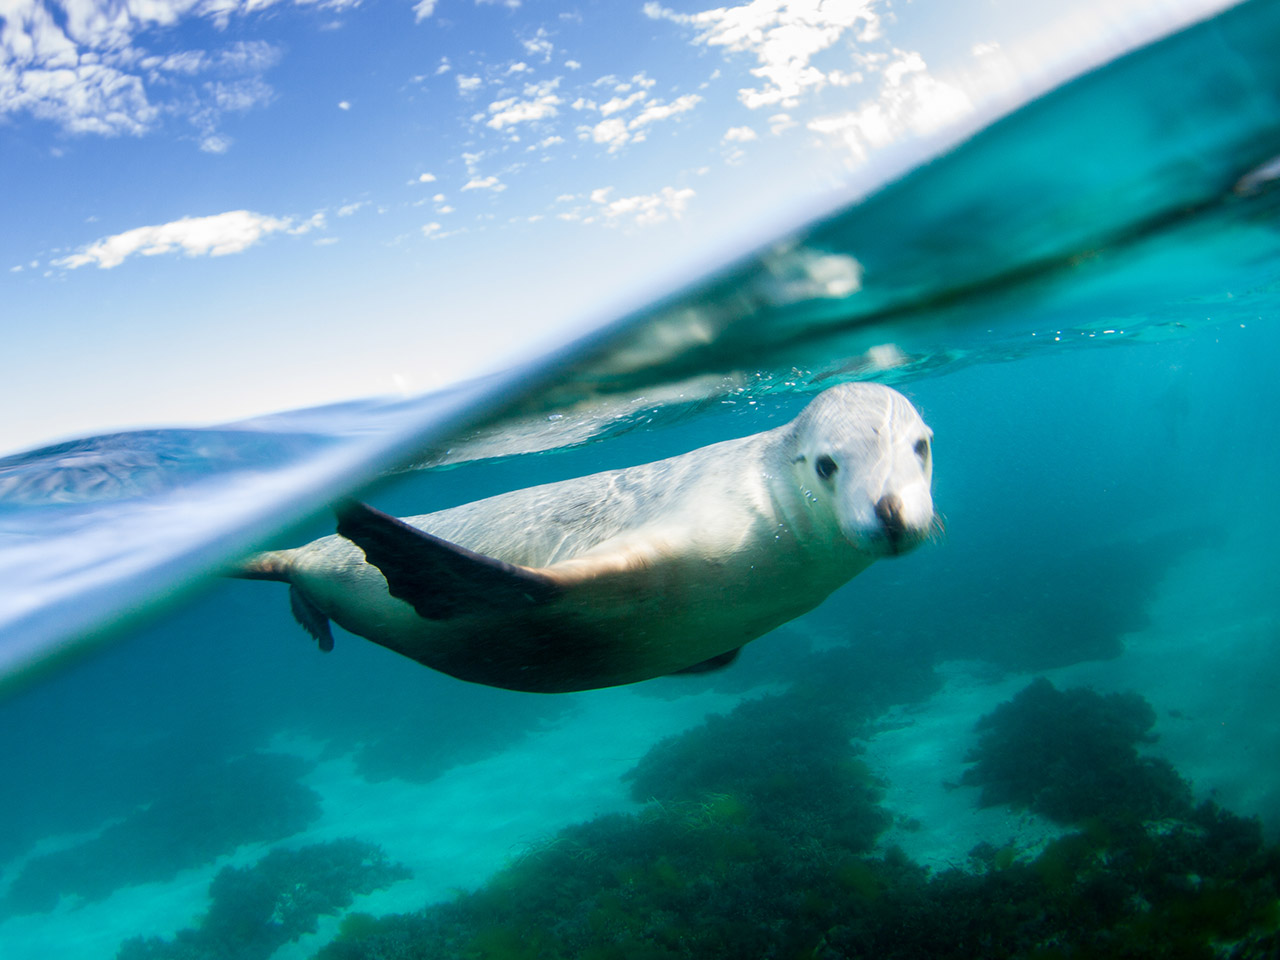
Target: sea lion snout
(901,532)
(889,513)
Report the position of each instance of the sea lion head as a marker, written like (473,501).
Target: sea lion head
(862,452)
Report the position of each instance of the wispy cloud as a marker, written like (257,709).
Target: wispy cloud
(485,183)
(617,131)
(539,45)
(76,63)
(213,236)
(540,103)
(803,47)
(910,101)
(784,37)
(656,110)
(640,209)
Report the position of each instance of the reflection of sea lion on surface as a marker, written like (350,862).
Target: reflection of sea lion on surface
(628,574)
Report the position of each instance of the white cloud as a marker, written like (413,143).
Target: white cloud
(212,236)
(187,61)
(612,131)
(617,132)
(910,101)
(539,45)
(541,103)
(655,110)
(429,228)
(485,183)
(573,65)
(640,210)
(74,64)
(783,36)
(215,143)
(423,9)
(621,103)
(348,209)
(425,178)
(469,84)
(85,98)
(643,209)
(445,66)
(344,105)
(780,122)
(739,134)
(239,95)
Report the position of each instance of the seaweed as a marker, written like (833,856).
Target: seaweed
(751,833)
(255,910)
(1071,755)
(758,841)
(255,798)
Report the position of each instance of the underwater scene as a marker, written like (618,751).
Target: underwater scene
(1047,726)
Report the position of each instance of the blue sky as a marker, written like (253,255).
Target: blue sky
(217,208)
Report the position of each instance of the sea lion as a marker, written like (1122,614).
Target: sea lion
(629,574)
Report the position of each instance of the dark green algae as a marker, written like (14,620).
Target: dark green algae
(758,839)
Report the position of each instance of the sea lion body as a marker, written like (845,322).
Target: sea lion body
(635,573)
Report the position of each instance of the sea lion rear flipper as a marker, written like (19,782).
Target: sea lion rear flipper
(310,618)
(718,662)
(440,579)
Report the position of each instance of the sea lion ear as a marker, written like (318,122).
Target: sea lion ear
(441,580)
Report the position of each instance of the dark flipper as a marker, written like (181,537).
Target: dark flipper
(718,662)
(440,579)
(310,618)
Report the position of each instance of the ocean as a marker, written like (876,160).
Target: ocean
(1050,732)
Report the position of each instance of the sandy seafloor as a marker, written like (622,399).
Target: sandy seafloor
(1210,676)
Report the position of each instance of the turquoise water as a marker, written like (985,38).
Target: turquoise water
(1053,732)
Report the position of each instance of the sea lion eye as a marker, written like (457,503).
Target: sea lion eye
(922,449)
(825,466)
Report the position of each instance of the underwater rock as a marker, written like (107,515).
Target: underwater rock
(386,742)
(257,909)
(255,798)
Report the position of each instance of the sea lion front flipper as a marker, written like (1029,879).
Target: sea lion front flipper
(440,579)
(718,662)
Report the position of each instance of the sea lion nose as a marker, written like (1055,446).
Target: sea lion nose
(889,513)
